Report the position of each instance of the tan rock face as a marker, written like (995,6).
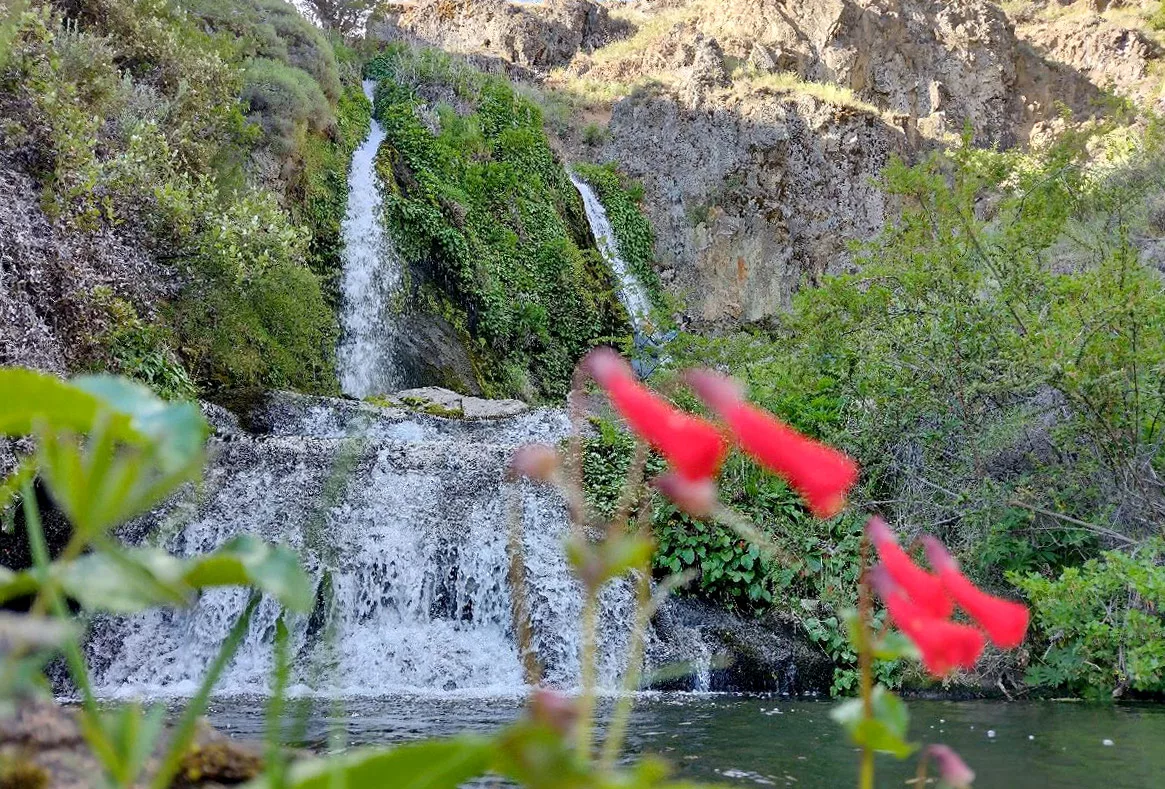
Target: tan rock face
(752,196)
(534,36)
(1106,52)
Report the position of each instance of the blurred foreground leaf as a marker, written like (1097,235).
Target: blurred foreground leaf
(440,764)
(886,731)
(127,581)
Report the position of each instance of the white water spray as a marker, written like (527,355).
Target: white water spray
(631,290)
(371,280)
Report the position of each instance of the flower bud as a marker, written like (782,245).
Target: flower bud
(951,767)
(534,461)
(695,497)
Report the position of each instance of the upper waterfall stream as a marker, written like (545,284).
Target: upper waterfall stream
(631,290)
(371,280)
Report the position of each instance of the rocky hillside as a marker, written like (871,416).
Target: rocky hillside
(758,127)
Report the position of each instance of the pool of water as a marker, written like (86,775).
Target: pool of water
(752,740)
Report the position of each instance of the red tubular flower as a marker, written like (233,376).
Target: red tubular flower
(944,645)
(924,589)
(820,473)
(1004,621)
(693,446)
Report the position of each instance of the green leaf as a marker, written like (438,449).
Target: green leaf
(248,561)
(30,398)
(176,431)
(895,645)
(885,730)
(438,764)
(127,581)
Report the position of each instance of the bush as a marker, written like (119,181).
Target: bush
(1103,622)
(286,102)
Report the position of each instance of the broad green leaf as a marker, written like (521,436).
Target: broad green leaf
(438,764)
(248,561)
(127,581)
(30,398)
(895,645)
(177,431)
(24,632)
(885,731)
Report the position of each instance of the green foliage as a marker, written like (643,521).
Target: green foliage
(483,209)
(1103,623)
(996,368)
(142,351)
(132,114)
(621,198)
(886,730)
(286,102)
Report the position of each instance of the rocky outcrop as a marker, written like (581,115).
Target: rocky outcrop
(42,745)
(742,656)
(752,196)
(538,36)
(49,275)
(1110,54)
(939,63)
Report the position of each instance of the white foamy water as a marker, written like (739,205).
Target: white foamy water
(631,290)
(408,557)
(371,279)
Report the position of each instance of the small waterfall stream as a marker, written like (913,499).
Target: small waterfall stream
(371,281)
(631,290)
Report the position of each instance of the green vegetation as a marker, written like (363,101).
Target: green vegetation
(1103,624)
(216,135)
(488,217)
(622,198)
(998,375)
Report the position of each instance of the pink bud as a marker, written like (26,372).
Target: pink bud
(951,767)
(605,365)
(718,391)
(695,497)
(554,710)
(534,461)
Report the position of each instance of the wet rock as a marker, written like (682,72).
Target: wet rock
(748,656)
(42,746)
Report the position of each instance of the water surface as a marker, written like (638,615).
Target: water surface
(750,741)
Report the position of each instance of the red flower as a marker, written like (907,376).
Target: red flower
(944,645)
(951,767)
(1003,620)
(693,446)
(821,474)
(924,589)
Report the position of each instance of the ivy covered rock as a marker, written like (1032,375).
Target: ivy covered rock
(486,216)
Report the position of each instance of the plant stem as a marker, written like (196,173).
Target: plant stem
(866,666)
(519,600)
(613,745)
(184,729)
(587,671)
(52,599)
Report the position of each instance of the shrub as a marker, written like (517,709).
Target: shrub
(286,102)
(1104,624)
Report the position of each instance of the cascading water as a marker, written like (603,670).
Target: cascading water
(371,280)
(631,290)
(401,519)
(402,522)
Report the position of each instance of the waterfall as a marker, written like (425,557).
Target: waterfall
(371,279)
(401,520)
(631,290)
